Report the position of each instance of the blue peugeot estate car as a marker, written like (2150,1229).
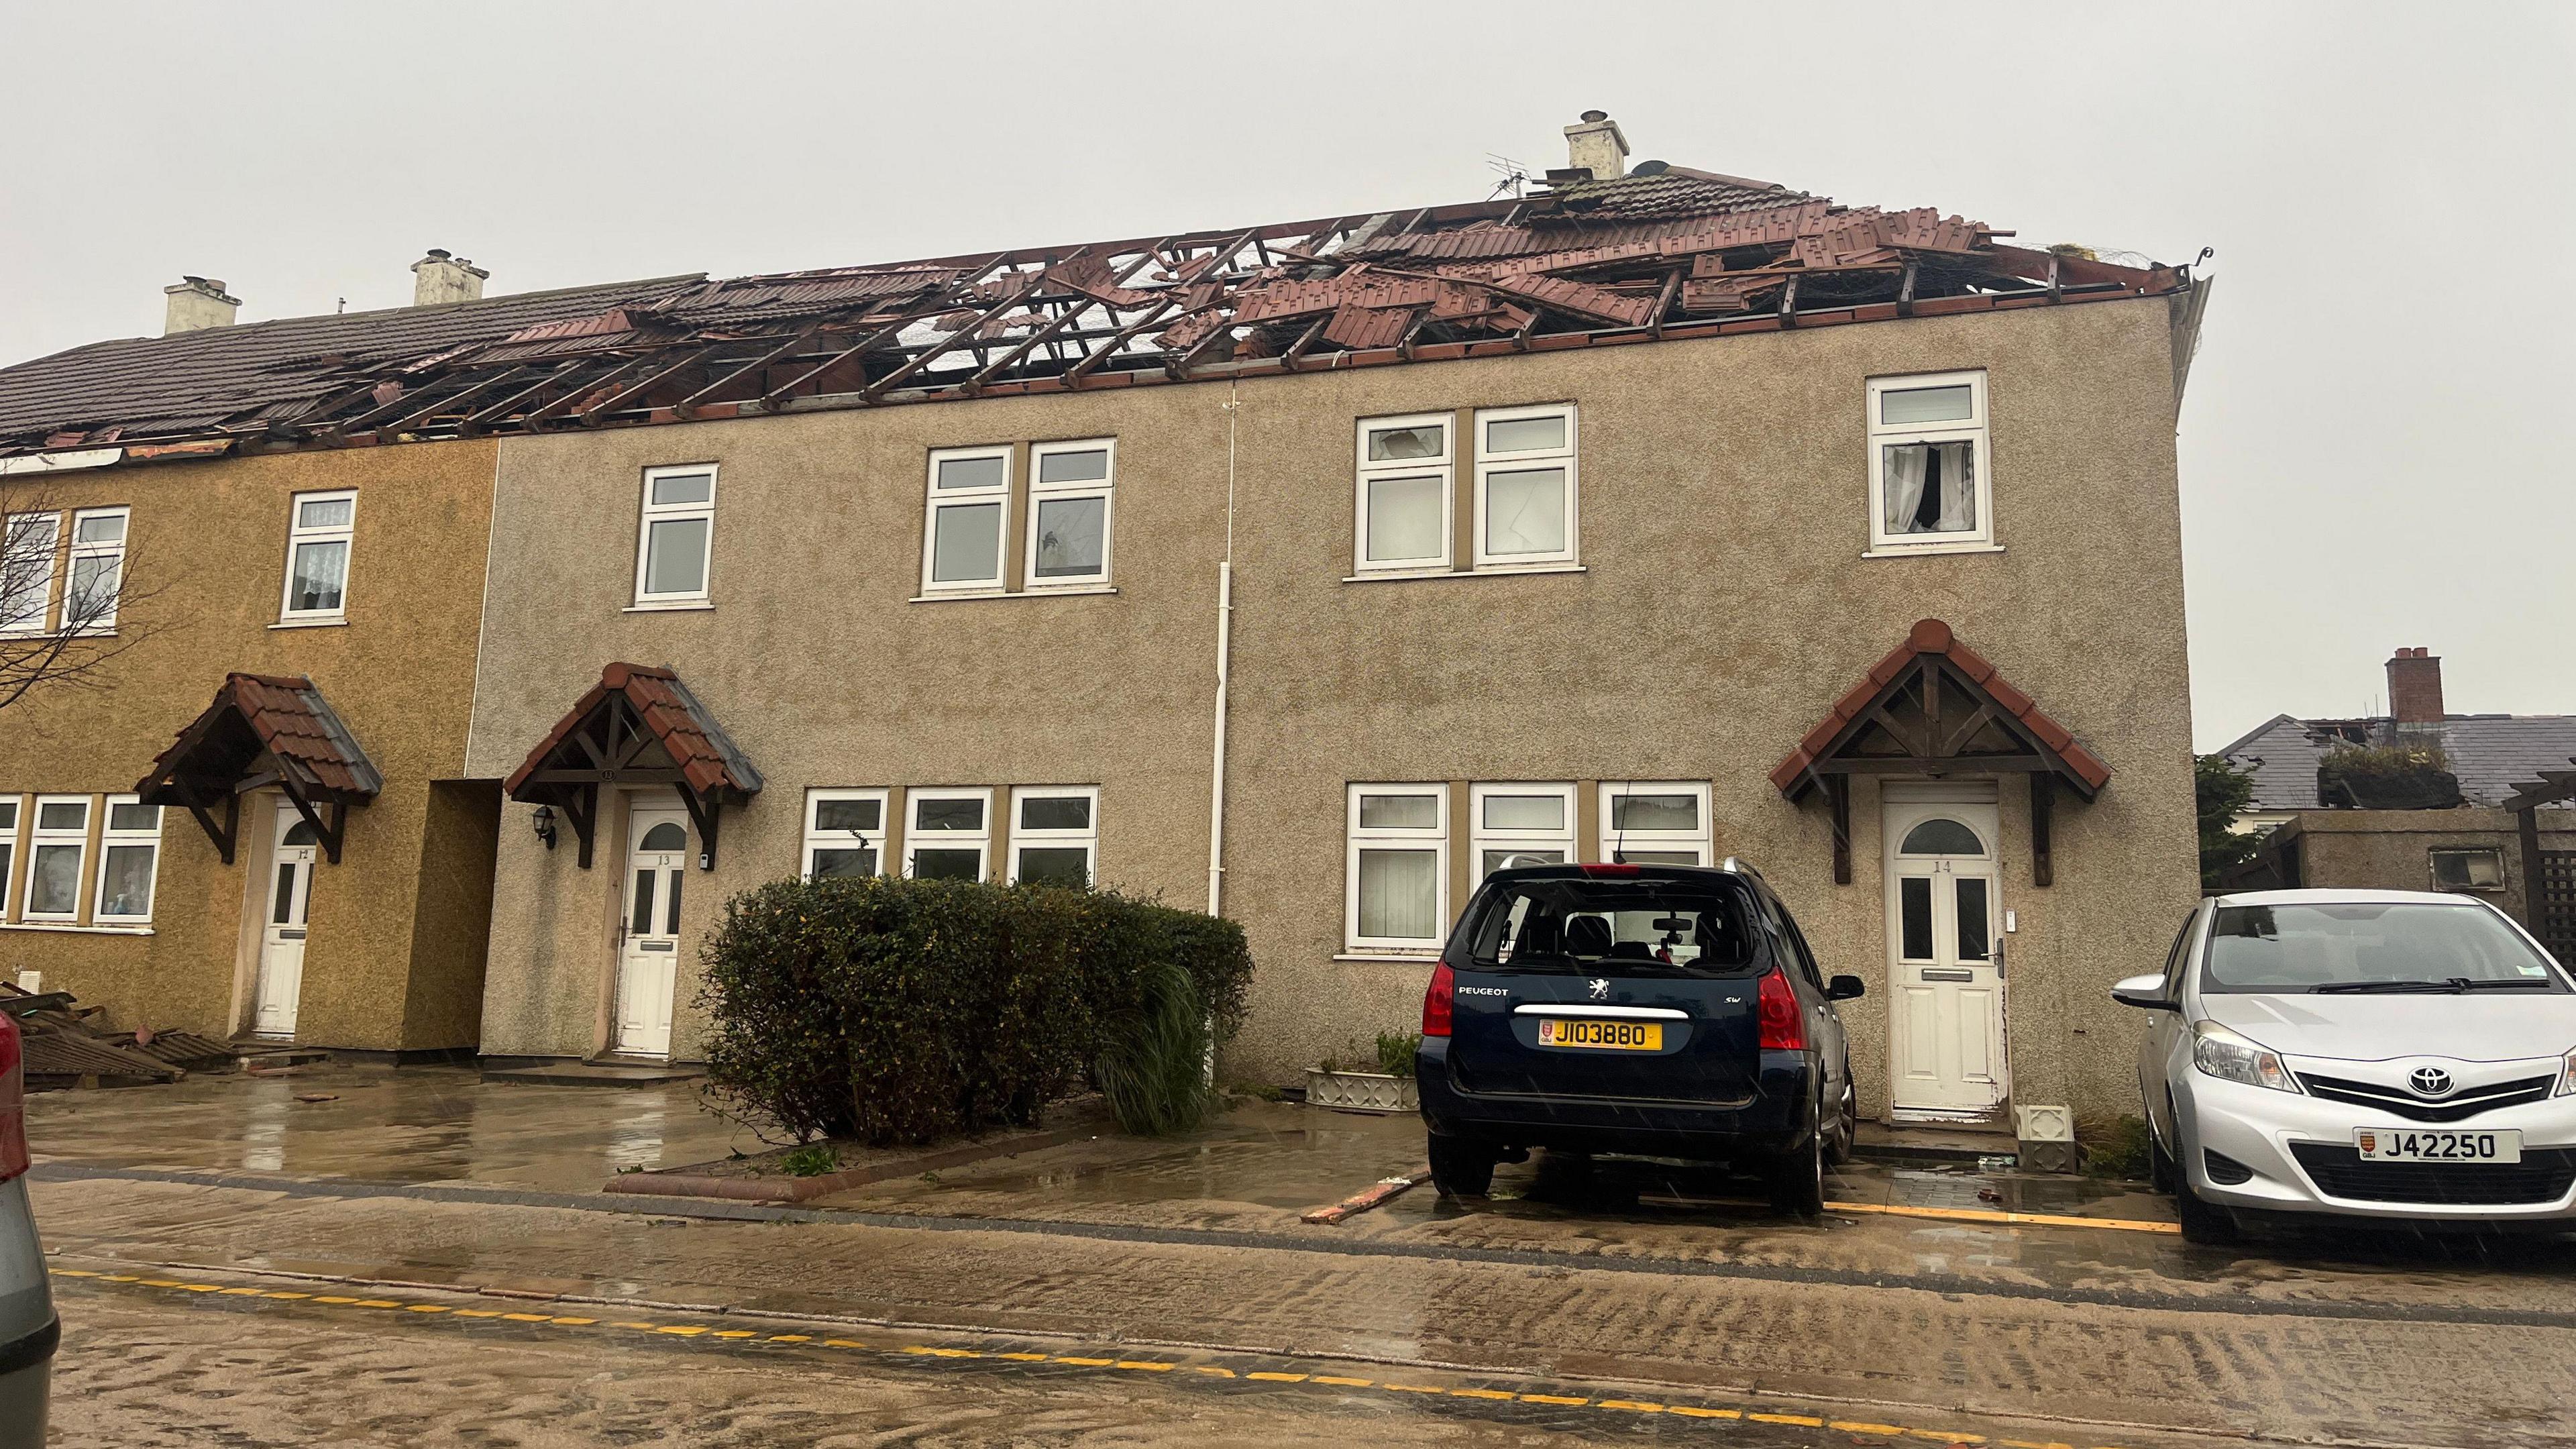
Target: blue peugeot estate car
(1656,1010)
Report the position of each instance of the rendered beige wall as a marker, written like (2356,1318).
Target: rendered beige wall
(2392,849)
(207,550)
(1723,608)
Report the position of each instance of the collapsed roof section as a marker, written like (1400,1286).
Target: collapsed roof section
(1663,252)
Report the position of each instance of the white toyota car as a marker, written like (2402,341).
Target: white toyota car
(2374,1054)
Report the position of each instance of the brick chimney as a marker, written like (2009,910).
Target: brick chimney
(2415,688)
(439,278)
(1595,145)
(197,302)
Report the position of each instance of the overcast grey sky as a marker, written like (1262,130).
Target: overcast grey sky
(2372,450)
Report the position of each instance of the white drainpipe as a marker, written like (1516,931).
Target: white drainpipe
(1224,650)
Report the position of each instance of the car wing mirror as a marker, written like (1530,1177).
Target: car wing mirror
(2147,992)
(1846,988)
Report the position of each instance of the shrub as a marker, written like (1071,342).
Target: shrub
(2387,777)
(811,1160)
(2114,1148)
(900,1011)
(1395,1052)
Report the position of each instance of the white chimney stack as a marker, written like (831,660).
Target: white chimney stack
(1595,145)
(438,279)
(197,302)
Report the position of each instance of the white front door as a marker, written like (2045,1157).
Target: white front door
(1945,949)
(648,951)
(281,943)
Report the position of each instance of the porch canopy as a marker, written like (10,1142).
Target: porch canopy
(637,726)
(1935,707)
(265,731)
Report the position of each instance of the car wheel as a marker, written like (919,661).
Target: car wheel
(1797,1177)
(1461,1169)
(1838,1149)
(2203,1221)
(2161,1174)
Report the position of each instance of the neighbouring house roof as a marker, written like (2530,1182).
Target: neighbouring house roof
(665,714)
(257,718)
(1909,710)
(1663,252)
(2493,755)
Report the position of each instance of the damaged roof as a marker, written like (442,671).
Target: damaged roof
(1663,252)
(2492,755)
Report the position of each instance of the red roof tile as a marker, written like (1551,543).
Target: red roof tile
(1933,637)
(283,717)
(698,748)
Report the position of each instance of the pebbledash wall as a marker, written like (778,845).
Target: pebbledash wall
(394,957)
(1721,606)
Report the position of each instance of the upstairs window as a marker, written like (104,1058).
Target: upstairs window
(1069,490)
(1655,824)
(951,834)
(55,851)
(129,858)
(1929,472)
(1398,867)
(677,536)
(1405,466)
(970,503)
(1056,834)
(317,557)
(27,570)
(1524,486)
(8,848)
(844,832)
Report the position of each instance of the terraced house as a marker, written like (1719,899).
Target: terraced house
(1309,570)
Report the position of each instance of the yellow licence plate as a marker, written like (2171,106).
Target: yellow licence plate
(1628,1036)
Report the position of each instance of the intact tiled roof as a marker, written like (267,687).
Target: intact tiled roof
(255,371)
(697,745)
(1935,638)
(283,717)
(2492,755)
(1655,255)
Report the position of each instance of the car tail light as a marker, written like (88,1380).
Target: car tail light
(1598,869)
(13,1101)
(1784,1026)
(1437,1001)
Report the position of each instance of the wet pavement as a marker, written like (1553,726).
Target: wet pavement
(1615,1271)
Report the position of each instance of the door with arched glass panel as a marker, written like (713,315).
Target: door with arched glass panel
(1945,959)
(281,941)
(648,932)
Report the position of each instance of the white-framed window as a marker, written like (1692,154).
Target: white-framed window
(318,532)
(950,836)
(97,570)
(1931,479)
(1069,497)
(1517,825)
(8,848)
(1654,822)
(677,536)
(129,861)
(27,570)
(1055,834)
(1398,868)
(2467,868)
(1525,486)
(56,846)
(968,517)
(845,833)
(1405,465)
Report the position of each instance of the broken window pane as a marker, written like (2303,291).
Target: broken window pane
(1525,511)
(1071,534)
(1395,445)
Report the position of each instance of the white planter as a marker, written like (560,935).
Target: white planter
(1360,1091)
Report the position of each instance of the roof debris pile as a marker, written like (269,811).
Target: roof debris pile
(1662,252)
(65,1046)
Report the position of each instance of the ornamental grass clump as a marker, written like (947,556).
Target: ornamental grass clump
(903,1011)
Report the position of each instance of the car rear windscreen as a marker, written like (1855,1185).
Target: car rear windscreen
(2359,946)
(1639,927)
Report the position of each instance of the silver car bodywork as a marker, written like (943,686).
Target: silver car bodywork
(2487,1045)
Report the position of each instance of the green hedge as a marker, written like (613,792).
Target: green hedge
(900,1011)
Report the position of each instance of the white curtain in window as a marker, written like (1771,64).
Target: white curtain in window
(1399,894)
(1958,486)
(1905,468)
